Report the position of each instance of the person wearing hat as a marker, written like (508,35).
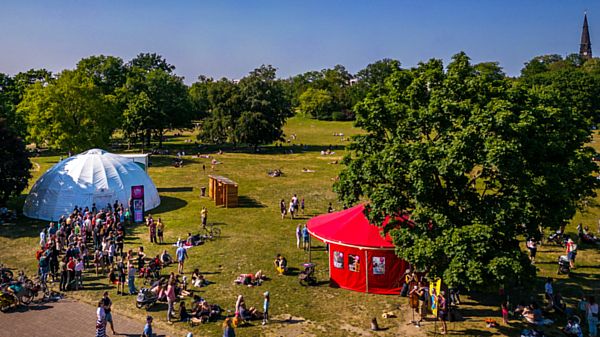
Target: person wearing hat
(148,327)
(266,307)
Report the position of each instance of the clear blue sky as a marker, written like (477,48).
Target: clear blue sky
(229,38)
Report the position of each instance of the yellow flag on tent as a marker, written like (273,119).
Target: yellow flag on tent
(434,290)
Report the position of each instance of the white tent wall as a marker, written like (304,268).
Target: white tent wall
(94,176)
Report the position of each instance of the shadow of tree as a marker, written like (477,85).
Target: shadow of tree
(168,204)
(249,202)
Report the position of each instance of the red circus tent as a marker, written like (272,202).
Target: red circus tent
(360,258)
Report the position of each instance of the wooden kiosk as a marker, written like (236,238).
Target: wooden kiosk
(223,191)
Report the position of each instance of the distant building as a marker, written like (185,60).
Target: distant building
(585,49)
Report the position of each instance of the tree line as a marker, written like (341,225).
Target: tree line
(83,107)
(478,161)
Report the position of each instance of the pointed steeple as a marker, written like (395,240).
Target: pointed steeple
(585,49)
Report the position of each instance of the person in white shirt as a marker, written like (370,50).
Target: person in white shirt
(548,290)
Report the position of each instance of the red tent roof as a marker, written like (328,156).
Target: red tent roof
(348,227)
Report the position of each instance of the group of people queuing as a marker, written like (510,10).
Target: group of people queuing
(294,207)
(68,245)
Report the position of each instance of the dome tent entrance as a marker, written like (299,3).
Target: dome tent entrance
(95,176)
(360,259)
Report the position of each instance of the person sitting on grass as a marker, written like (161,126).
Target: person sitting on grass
(183,314)
(198,279)
(165,258)
(280,264)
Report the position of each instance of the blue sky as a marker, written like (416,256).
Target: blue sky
(229,38)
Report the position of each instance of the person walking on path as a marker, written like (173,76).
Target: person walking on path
(171,300)
(181,256)
(107,310)
(298,235)
(100,320)
(592,316)
(266,308)
(148,327)
(160,228)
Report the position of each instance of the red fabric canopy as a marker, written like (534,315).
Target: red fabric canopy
(348,227)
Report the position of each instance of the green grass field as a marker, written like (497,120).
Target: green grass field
(254,233)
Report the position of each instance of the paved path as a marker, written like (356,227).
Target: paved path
(65,317)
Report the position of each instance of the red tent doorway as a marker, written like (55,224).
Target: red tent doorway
(360,259)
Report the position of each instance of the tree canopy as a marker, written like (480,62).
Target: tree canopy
(475,160)
(15,164)
(71,113)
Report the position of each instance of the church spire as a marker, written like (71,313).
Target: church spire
(585,49)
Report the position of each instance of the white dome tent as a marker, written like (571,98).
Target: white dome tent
(94,176)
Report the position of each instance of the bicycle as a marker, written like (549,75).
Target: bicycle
(211,232)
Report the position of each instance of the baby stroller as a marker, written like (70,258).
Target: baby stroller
(146,298)
(564,267)
(306,277)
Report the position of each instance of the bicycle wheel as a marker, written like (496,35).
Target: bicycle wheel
(216,232)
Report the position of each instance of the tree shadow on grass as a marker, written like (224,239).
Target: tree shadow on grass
(249,202)
(23,227)
(175,189)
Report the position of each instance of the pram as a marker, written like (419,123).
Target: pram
(564,267)
(306,277)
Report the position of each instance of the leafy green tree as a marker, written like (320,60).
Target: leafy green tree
(70,113)
(154,99)
(199,96)
(107,72)
(316,103)
(225,107)
(265,106)
(12,90)
(475,160)
(15,164)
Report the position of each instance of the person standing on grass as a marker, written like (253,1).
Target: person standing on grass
(160,228)
(107,309)
(302,206)
(131,277)
(532,246)
(152,228)
(171,300)
(282,208)
(266,303)
(548,290)
(442,310)
(592,316)
(121,276)
(305,237)
(291,209)
(295,204)
(204,217)
(181,256)
(330,208)
(298,235)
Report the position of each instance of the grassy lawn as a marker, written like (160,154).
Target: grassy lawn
(254,233)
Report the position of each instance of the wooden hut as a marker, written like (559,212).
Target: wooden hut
(223,191)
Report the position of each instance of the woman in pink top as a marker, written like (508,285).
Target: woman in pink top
(170,300)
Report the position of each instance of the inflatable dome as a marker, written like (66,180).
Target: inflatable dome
(92,177)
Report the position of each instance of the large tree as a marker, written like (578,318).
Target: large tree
(475,160)
(70,113)
(154,98)
(15,164)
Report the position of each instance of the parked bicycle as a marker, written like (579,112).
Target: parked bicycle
(211,231)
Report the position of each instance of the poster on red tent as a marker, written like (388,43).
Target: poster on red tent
(137,199)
